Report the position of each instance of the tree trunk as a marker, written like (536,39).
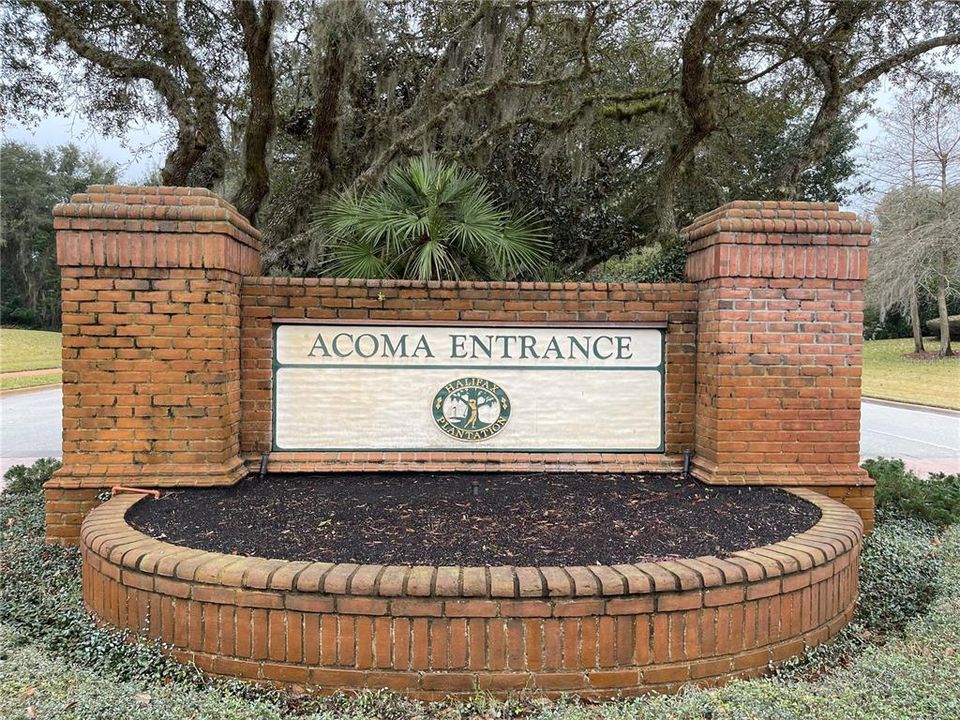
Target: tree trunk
(816,145)
(945,349)
(915,322)
(826,60)
(697,96)
(334,52)
(287,214)
(184,157)
(942,281)
(666,210)
(258,46)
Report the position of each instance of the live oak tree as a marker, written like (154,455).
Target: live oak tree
(276,104)
(845,47)
(458,80)
(206,68)
(826,54)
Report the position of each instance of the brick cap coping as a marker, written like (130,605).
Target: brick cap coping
(270,281)
(76,475)
(159,203)
(780,475)
(736,221)
(106,533)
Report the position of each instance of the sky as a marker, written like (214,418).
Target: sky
(138,154)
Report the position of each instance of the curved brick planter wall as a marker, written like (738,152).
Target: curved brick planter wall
(450,630)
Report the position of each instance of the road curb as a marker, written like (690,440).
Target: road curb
(5,392)
(38,372)
(911,406)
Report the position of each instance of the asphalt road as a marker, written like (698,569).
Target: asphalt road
(29,425)
(929,440)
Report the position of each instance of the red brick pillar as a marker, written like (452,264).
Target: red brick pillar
(151,342)
(779,341)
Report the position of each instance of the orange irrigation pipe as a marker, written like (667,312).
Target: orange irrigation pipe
(121,489)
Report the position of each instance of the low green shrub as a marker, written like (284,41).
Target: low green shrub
(900,571)
(651,264)
(40,592)
(821,660)
(23,479)
(900,492)
(35,683)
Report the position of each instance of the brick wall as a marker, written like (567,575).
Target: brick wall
(167,356)
(779,340)
(598,631)
(151,295)
(265,300)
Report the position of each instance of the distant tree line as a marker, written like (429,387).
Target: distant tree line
(894,322)
(32,181)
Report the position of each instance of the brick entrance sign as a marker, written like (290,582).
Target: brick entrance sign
(183,367)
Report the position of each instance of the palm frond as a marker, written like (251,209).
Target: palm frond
(357,259)
(429,220)
(339,214)
(478,223)
(432,260)
(523,246)
(384,222)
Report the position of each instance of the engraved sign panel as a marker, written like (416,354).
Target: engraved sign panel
(476,388)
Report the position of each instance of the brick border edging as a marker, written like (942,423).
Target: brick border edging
(431,632)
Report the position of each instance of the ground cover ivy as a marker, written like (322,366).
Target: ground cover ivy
(898,660)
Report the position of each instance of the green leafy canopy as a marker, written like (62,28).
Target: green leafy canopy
(428,220)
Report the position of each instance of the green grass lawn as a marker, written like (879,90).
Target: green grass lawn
(19,382)
(888,375)
(25,350)
(28,350)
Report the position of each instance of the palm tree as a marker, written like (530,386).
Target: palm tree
(429,220)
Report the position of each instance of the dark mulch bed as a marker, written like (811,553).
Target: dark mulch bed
(434,519)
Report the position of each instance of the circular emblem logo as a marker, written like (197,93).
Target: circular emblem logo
(471,409)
